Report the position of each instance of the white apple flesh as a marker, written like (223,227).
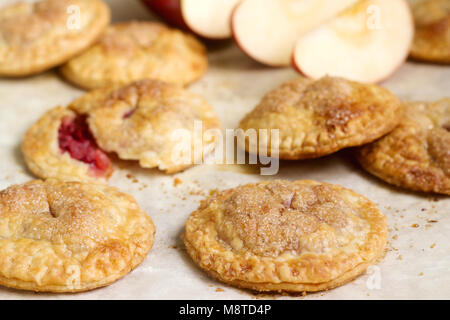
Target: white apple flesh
(365,43)
(267,30)
(208,18)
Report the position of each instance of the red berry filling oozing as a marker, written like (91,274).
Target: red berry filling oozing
(75,138)
(129,113)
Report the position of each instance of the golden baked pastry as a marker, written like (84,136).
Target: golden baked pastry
(68,236)
(38,36)
(319,117)
(60,145)
(286,236)
(432,38)
(416,155)
(138,50)
(149,121)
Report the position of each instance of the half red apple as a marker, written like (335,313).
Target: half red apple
(365,43)
(267,30)
(207,18)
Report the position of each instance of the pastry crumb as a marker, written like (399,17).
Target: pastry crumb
(177,182)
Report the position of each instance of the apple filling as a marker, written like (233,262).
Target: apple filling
(75,138)
(128,114)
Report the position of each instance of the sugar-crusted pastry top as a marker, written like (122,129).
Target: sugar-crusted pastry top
(318,117)
(416,155)
(146,120)
(281,217)
(301,232)
(138,50)
(129,38)
(36,36)
(71,236)
(432,38)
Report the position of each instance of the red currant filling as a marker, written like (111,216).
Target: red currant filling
(129,113)
(75,138)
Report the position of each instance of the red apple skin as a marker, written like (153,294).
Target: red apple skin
(294,64)
(169,10)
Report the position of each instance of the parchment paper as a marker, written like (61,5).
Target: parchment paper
(416,265)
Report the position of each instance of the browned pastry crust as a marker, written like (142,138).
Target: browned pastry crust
(416,155)
(138,50)
(286,236)
(432,38)
(319,117)
(69,236)
(139,122)
(35,36)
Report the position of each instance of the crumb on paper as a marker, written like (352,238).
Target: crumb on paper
(143,186)
(196,193)
(433,245)
(421,274)
(395,237)
(219,290)
(132,178)
(414,225)
(177,182)
(432,221)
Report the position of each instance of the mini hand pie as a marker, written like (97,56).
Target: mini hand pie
(319,117)
(38,36)
(432,37)
(416,155)
(149,121)
(69,236)
(286,236)
(138,50)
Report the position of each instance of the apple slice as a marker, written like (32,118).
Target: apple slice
(267,30)
(168,10)
(365,43)
(207,18)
